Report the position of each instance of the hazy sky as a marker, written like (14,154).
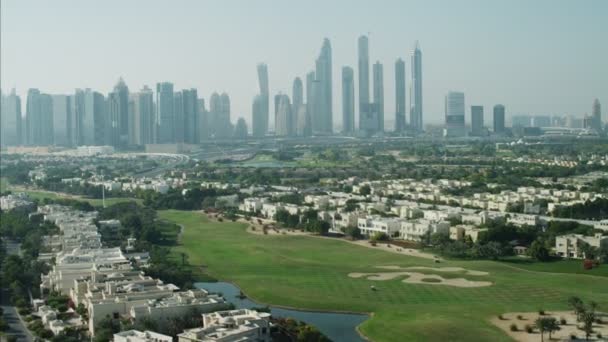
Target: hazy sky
(537,57)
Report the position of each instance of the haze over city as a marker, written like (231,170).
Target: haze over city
(547,59)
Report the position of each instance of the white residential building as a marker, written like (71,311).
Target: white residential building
(371,225)
(414,230)
(231,326)
(141,336)
(570,246)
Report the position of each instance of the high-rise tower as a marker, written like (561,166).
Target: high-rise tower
(416,117)
(499,119)
(363,68)
(323,122)
(348,100)
(378,74)
(260,107)
(164,113)
(400,95)
(454,115)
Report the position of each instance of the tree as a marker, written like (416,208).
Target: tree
(353,232)
(576,304)
(588,318)
(542,324)
(538,251)
(365,190)
(546,324)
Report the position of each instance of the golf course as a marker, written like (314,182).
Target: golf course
(313,273)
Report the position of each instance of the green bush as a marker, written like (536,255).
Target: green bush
(528,328)
(513,327)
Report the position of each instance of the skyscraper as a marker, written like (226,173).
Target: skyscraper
(219,116)
(164,113)
(178,117)
(240,130)
(363,60)
(260,107)
(305,123)
(400,108)
(191,116)
(378,74)
(203,121)
(10,120)
(143,117)
(596,113)
(117,131)
(283,117)
(89,119)
(62,120)
(323,120)
(477,120)
(39,118)
(416,117)
(499,119)
(297,92)
(454,115)
(348,100)
(298,101)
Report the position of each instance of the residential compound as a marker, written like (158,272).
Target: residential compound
(16,201)
(104,280)
(416,209)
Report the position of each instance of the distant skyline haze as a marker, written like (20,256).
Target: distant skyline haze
(535,57)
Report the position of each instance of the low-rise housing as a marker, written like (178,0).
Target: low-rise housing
(141,336)
(232,325)
(571,245)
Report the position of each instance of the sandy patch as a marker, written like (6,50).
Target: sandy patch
(394,249)
(438,269)
(419,278)
(567,330)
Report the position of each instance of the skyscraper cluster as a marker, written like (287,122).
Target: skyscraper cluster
(120,119)
(310,110)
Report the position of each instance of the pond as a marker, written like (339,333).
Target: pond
(338,327)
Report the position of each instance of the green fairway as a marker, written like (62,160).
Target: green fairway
(561,266)
(312,273)
(41,194)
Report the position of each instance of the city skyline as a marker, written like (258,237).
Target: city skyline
(485,74)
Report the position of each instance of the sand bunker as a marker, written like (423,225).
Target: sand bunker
(421,278)
(438,269)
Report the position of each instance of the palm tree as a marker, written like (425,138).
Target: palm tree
(588,319)
(552,325)
(541,324)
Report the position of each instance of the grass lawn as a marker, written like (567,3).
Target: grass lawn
(3,184)
(40,195)
(559,266)
(312,273)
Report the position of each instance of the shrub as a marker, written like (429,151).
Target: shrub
(587,264)
(541,312)
(24,311)
(500,317)
(599,336)
(520,317)
(562,321)
(528,328)
(573,337)
(513,327)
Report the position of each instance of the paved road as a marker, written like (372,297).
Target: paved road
(16,324)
